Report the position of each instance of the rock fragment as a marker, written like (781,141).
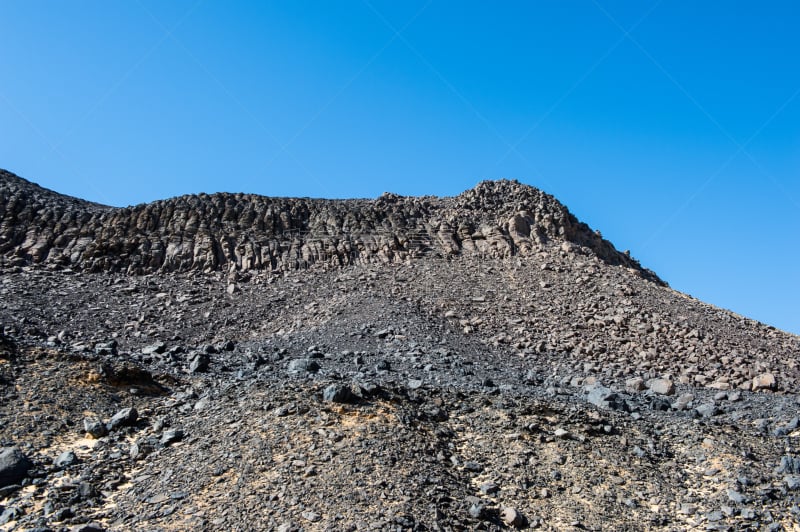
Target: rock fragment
(124,418)
(661,386)
(14,466)
(764,381)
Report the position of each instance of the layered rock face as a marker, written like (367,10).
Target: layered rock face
(250,232)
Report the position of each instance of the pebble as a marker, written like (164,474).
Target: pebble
(66,459)
(683,401)
(303,365)
(707,410)
(511,517)
(171,435)
(489,488)
(634,385)
(94,428)
(765,381)
(661,386)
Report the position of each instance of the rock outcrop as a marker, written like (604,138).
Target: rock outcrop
(250,232)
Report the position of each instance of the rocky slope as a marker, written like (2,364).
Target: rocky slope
(483,379)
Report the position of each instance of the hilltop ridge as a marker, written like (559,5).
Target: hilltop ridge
(225,231)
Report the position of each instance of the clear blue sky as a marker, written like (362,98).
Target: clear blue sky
(673,127)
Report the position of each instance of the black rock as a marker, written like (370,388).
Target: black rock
(200,363)
(303,365)
(14,466)
(10,514)
(171,436)
(65,459)
(95,428)
(338,393)
(123,418)
(471,465)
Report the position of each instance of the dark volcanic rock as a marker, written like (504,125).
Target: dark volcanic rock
(123,418)
(249,232)
(14,466)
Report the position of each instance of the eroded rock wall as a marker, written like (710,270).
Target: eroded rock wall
(249,232)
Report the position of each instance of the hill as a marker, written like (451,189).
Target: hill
(485,361)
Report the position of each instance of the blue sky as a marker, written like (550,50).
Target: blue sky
(673,127)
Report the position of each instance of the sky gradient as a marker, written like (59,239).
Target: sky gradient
(672,127)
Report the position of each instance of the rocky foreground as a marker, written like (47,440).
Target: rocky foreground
(486,362)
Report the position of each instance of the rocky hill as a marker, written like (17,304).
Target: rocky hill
(480,362)
(496,219)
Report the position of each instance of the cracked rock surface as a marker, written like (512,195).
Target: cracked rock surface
(483,362)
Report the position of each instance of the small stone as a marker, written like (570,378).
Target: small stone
(200,363)
(86,491)
(489,488)
(707,410)
(311,516)
(511,517)
(634,385)
(337,393)
(736,497)
(171,436)
(477,511)
(123,418)
(561,434)
(303,365)
(792,482)
(156,348)
(94,428)
(471,465)
(765,381)
(747,513)
(661,386)
(66,459)
(683,401)
(687,509)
